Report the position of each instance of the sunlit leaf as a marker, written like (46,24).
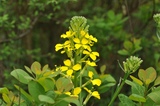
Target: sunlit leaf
(4,90)
(157,81)
(136,80)
(35,89)
(46,99)
(36,67)
(47,83)
(21,76)
(64,84)
(125,100)
(155,95)
(137,98)
(26,95)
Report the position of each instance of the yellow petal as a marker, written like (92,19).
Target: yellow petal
(58,47)
(78,46)
(91,63)
(95,53)
(96,94)
(83,32)
(96,82)
(85,52)
(90,74)
(68,93)
(63,36)
(67,62)
(84,41)
(92,56)
(64,68)
(76,40)
(76,90)
(69,72)
(77,67)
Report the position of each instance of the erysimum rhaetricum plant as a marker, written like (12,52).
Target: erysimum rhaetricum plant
(76,81)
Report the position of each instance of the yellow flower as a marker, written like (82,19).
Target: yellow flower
(63,46)
(76,67)
(81,43)
(69,68)
(83,33)
(94,93)
(96,82)
(67,35)
(91,63)
(90,74)
(76,90)
(58,46)
(92,55)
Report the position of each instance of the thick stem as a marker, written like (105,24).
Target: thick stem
(118,89)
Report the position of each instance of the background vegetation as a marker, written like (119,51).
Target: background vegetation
(29,30)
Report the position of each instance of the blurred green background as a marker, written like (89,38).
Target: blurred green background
(29,30)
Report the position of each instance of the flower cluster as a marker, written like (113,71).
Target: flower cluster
(132,64)
(77,46)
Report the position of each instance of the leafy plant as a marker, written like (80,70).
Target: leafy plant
(75,82)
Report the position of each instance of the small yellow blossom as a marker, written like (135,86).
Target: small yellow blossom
(62,46)
(67,35)
(90,74)
(76,67)
(83,33)
(76,90)
(81,43)
(92,55)
(96,82)
(94,93)
(91,63)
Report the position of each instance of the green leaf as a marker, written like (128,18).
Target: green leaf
(4,90)
(6,98)
(46,99)
(136,80)
(47,83)
(28,97)
(102,69)
(36,67)
(148,75)
(28,69)
(35,89)
(21,76)
(123,52)
(155,95)
(125,101)
(107,82)
(128,45)
(72,100)
(136,88)
(157,81)
(64,84)
(137,98)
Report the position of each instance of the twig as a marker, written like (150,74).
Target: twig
(22,34)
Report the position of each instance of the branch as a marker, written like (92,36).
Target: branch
(22,34)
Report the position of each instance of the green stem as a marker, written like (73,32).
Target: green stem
(118,89)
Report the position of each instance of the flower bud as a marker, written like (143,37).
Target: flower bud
(131,64)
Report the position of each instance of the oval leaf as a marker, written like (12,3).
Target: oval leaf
(35,89)
(46,99)
(137,98)
(21,76)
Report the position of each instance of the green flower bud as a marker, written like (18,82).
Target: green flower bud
(131,64)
